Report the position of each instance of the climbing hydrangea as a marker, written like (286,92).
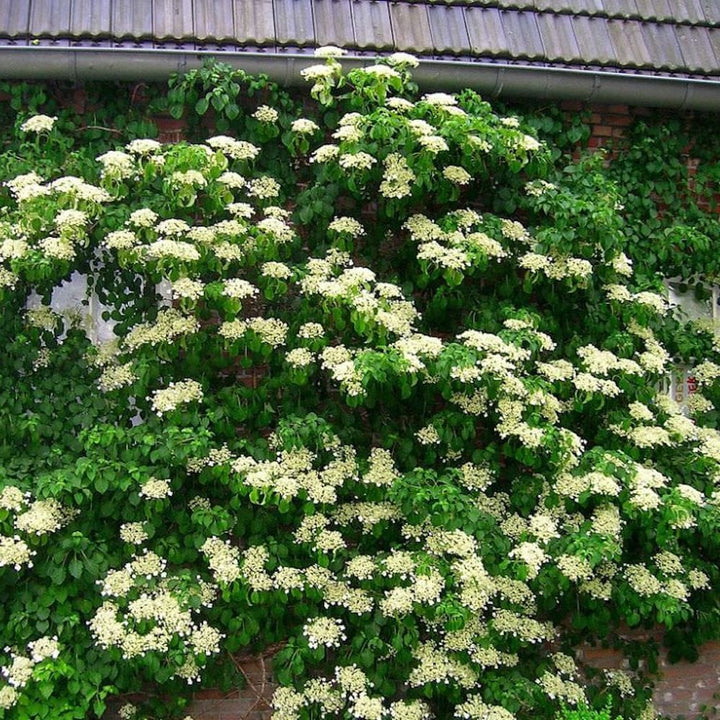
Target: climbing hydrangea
(381,392)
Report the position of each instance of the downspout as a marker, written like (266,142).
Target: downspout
(489,78)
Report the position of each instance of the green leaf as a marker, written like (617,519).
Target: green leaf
(202,106)
(75,567)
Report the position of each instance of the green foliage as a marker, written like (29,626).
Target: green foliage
(382,393)
(585,713)
(668,200)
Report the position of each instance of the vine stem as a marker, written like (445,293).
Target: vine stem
(99,127)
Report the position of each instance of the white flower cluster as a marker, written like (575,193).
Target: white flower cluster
(43,517)
(152,611)
(604,362)
(133,533)
(328,51)
(22,667)
(428,435)
(475,709)
(557,687)
(403,59)
(176,394)
(380,305)
(38,124)
(277,229)
(299,358)
(115,377)
(324,154)
(303,126)
(381,71)
(234,149)
(76,188)
(117,165)
(356,161)
(143,146)
(169,325)
(324,631)
(456,175)
(292,473)
(239,289)
(188,178)
(188,289)
(223,559)
(311,331)
(398,178)
(264,187)
(15,553)
(155,489)
(172,249)
(538,188)
(347,225)
(266,114)
(455,249)
(556,268)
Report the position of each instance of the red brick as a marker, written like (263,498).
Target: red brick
(597,142)
(602,131)
(170,130)
(619,109)
(618,120)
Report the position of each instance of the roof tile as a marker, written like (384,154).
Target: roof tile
(655,9)
(714,37)
(523,36)
(697,49)
(589,7)
(448,29)
(90,17)
(593,37)
(628,43)
(213,20)
(621,8)
(558,37)
(254,21)
(293,22)
(333,22)
(688,11)
(49,19)
(172,19)
(411,28)
(130,19)
(371,21)
(712,10)
(665,35)
(485,28)
(14,17)
(662,44)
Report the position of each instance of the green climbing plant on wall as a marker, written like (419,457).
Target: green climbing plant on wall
(383,392)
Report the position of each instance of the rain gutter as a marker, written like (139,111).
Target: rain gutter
(489,78)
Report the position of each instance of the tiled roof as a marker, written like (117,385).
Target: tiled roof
(676,37)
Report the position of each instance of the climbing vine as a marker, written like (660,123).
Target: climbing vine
(378,385)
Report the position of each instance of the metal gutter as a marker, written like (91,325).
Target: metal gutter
(490,79)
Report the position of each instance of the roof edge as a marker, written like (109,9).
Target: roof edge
(492,79)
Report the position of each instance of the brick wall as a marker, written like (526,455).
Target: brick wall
(690,690)
(251,702)
(608,130)
(683,689)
